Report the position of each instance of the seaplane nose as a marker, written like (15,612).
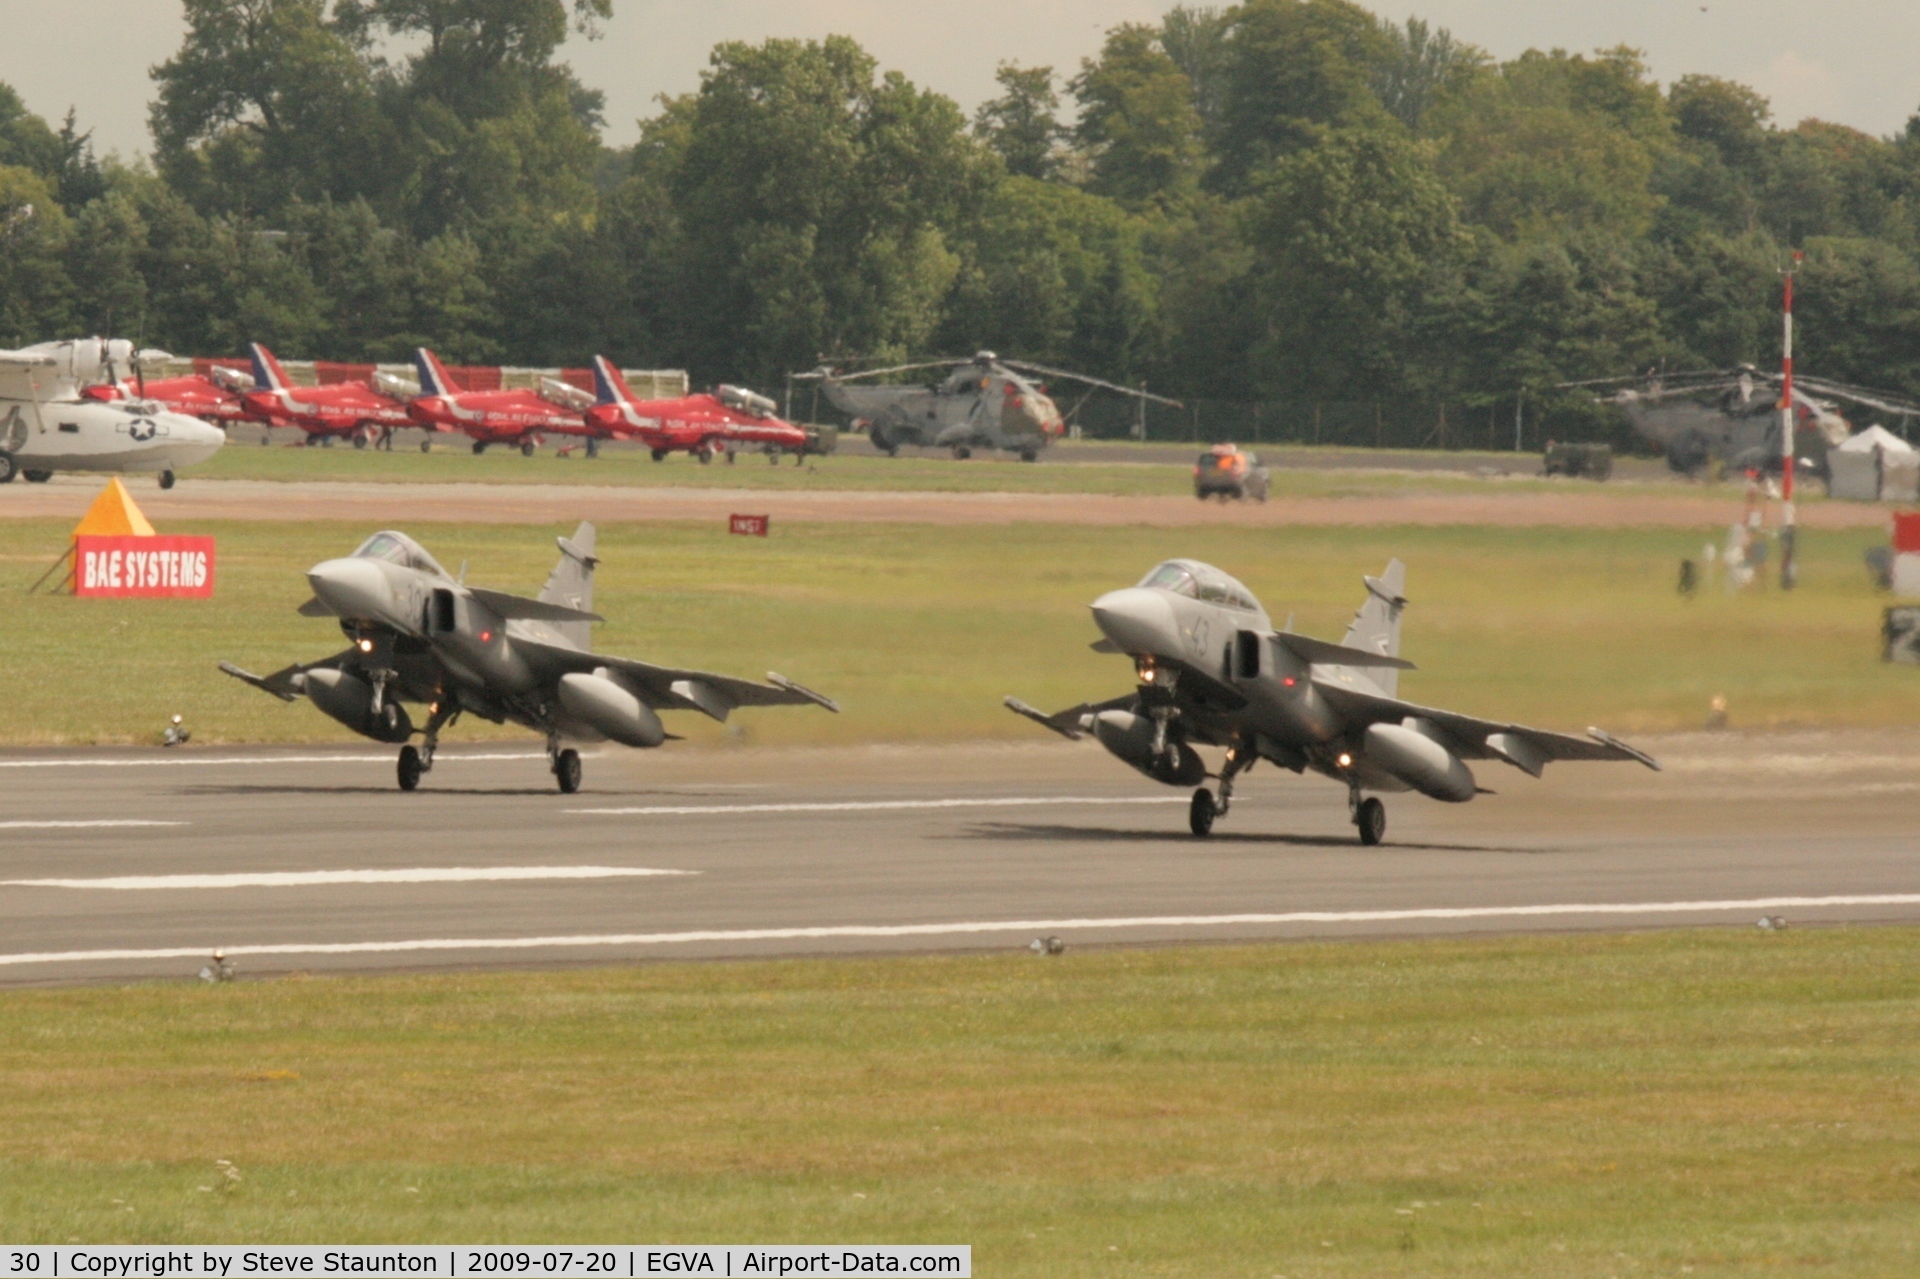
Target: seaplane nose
(1138,621)
(200,439)
(352,588)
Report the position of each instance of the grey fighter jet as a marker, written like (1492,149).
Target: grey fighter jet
(419,635)
(1211,669)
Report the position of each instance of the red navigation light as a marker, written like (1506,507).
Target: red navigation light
(1288,681)
(486,637)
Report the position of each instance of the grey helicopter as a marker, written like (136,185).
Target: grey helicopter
(983,402)
(1730,418)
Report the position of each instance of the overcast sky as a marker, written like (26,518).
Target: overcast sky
(1850,61)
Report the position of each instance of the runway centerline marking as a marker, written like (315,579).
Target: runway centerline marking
(857,931)
(208,761)
(322,878)
(74,825)
(874,805)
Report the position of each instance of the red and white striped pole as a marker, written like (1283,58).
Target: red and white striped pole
(1788,571)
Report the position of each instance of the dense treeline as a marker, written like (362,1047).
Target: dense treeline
(1287,199)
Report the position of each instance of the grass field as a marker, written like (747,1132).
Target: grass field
(920,631)
(913,473)
(1709,1102)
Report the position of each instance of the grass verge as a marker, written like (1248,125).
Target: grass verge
(921,630)
(621,466)
(1713,1102)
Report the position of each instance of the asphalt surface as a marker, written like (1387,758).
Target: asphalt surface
(136,854)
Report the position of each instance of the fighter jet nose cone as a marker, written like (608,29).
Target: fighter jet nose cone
(1138,621)
(353,588)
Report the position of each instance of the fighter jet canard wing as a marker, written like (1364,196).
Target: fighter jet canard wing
(1528,749)
(519,608)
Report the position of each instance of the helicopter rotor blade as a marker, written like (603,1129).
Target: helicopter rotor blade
(1135,391)
(823,374)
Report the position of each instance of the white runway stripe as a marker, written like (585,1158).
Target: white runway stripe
(876,805)
(209,760)
(311,878)
(61,825)
(879,931)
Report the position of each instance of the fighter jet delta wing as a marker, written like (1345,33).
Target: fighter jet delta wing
(282,683)
(1528,749)
(1075,720)
(673,688)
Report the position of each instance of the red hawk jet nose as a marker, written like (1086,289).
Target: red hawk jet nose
(1137,620)
(352,588)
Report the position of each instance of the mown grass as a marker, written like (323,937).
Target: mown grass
(622,466)
(1720,1102)
(920,630)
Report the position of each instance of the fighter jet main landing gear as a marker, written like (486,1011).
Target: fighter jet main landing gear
(411,766)
(566,765)
(1369,816)
(1201,812)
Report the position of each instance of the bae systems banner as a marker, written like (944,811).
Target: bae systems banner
(143,566)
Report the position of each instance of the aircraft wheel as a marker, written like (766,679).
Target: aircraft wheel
(705,455)
(410,769)
(265,439)
(593,448)
(166,479)
(326,442)
(961,452)
(526,449)
(773,457)
(359,439)
(426,446)
(8,468)
(1371,818)
(566,770)
(37,477)
(659,455)
(1028,455)
(1201,812)
(479,447)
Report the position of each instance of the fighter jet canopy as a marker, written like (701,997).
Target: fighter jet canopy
(398,548)
(1200,581)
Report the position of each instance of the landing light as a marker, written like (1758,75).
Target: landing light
(366,646)
(1345,760)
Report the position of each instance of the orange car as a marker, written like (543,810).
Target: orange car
(1227,471)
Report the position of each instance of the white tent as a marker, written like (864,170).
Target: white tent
(1876,436)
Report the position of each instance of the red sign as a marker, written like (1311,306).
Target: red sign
(143,566)
(747,525)
(1906,531)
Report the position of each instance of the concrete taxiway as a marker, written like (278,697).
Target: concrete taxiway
(140,863)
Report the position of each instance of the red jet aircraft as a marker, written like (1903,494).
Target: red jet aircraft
(703,425)
(192,395)
(516,417)
(345,409)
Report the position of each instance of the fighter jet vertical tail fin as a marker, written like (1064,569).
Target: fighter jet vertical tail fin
(267,373)
(1376,627)
(571,584)
(609,387)
(433,376)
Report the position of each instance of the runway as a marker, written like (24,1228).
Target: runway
(140,863)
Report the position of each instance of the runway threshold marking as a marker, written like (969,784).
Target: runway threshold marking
(208,761)
(876,805)
(878,931)
(312,878)
(77,825)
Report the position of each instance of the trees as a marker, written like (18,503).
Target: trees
(1022,125)
(1138,123)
